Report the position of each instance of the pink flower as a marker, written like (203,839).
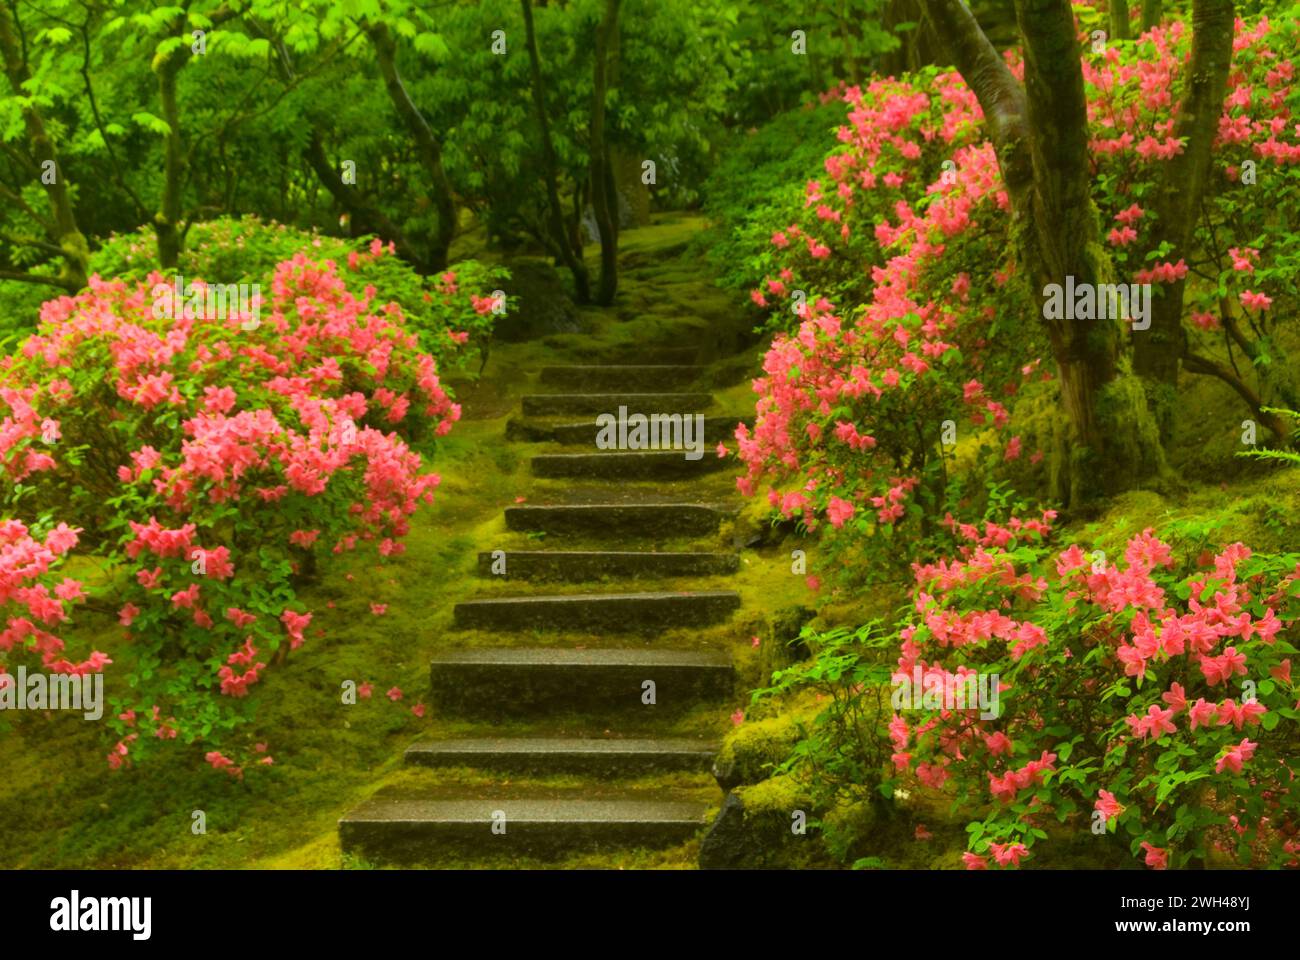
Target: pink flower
(738,717)
(1255,301)
(838,511)
(1234,757)
(1107,805)
(1156,858)
(365,690)
(395,694)
(1009,853)
(418,710)
(974,861)
(379,609)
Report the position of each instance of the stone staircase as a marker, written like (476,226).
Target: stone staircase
(596,647)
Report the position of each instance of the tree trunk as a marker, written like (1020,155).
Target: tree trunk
(1041,137)
(427,146)
(365,217)
(1158,351)
(1119,21)
(604,199)
(563,249)
(1152,13)
(167,221)
(66,235)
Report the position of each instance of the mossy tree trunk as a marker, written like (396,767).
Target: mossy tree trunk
(1159,351)
(604,197)
(167,221)
(1119,20)
(562,247)
(428,149)
(1153,12)
(64,236)
(1041,137)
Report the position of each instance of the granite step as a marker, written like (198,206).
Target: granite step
(402,826)
(620,377)
(496,681)
(596,756)
(554,404)
(616,519)
(584,433)
(612,612)
(630,464)
(579,565)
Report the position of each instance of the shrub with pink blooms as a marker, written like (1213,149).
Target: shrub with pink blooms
(855,400)
(449,312)
(890,282)
(1147,700)
(210,462)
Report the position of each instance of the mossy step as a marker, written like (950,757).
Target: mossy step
(622,612)
(598,756)
(628,465)
(512,681)
(597,378)
(547,404)
(636,354)
(405,827)
(617,519)
(580,565)
(584,433)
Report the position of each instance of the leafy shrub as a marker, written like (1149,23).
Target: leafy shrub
(441,310)
(1150,699)
(208,462)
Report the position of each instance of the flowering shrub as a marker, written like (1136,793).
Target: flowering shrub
(887,287)
(1150,697)
(853,401)
(209,462)
(34,599)
(1240,267)
(446,311)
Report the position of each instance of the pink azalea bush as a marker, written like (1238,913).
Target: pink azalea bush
(890,282)
(854,398)
(1151,698)
(209,461)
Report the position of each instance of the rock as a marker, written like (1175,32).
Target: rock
(750,751)
(761,827)
(544,307)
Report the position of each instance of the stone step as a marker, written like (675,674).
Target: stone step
(716,429)
(605,377)
(617,519)
(551,404)
(615,612)
(495,681)
(630,464)
(644,354)
(405,827)
(597,756)
(580,565)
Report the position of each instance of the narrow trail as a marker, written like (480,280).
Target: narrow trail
(588,634)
